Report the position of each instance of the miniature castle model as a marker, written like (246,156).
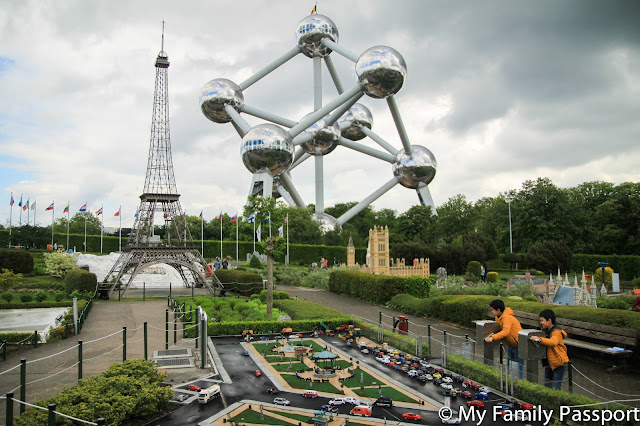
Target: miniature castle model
(562,292)
(379,261)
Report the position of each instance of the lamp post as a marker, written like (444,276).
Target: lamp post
(509,197)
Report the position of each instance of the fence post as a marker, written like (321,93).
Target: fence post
(144,290)
(79,360)
(175,326)
(35,339)
(429,337)
(166,329)
(9,410)
(501,368)
(570,367)
(4,350)
(203,343)
(52,415)
(23,383)
(145,340)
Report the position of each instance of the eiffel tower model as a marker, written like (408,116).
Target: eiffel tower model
(160,200)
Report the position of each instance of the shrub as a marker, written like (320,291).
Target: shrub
(492,277)
(80,280)
(58,263)
(608,275)
(17,261)
(255,263)
(276,295)
(474,267)
(26,297)
(8,279)
(41,296)
(59,297)
(8,297)
(533,272)
(549,255)
(636,282)
(317,279)
(624,303)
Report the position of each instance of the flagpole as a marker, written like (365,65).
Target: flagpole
(201,234)
(34,214)
(67,246)
(20,205)
(237,221)
(28,213)
(85,228)
(269,224)
(287,238)
(101,226)
(254,234)
(11,215)
(221,236)
(120,230)
(53,216)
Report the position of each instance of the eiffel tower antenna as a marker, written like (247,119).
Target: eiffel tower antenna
(160,195)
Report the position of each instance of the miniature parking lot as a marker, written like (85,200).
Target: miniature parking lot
(248,397)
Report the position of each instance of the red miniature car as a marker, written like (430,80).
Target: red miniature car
(438,370)
(194,388)
(412,416)
(466,394)
(476,403)
(258,373)
(526,406)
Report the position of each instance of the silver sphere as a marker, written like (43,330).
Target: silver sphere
(415,168)
(267,147)
(310,33)
(324,137)
(381,71)
(218,93)
(358,115)
(327,222)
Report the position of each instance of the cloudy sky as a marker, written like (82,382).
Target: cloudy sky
(499,91)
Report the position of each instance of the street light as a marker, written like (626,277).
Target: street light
(509,197)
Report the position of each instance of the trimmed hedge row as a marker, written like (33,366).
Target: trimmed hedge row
(231,277)
(261,327)
(398,341)
(34,305)
(17,261)
(17,337)
(378,289)
(81,280)
(303,310)
(466,309)
(626,265)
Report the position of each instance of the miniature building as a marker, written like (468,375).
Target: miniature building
(379,260)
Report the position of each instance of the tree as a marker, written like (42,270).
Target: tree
(548,256)
(76,224)
(270,247)
(417,225)
(456,217)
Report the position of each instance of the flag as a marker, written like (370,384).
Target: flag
(33,206)
(258,232)
(252,218)
(26,205)
(11,203)
(151,215)
(135,215)
(200,217)
(99,212)
(118,212)
(166,215)
(314,9)
(219,216)
(268,218)
(286,219)
(20,203)
(66,209)
(83,208)
(50,207)
(234,218)
(281,231)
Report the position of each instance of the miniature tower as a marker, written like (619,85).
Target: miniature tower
(351,253)
(160,200)
(379,250)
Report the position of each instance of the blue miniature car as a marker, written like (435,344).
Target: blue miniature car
(482,395)
(246,353)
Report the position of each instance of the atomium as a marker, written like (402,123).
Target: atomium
(272,150)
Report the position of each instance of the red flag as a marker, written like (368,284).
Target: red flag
(234,218)
(117,213)
(50,207)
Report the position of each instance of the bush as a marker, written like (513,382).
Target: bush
(492,277)
(317,279)
(17,261)
(41,296)
(58,263)
(608,275)
(8,297)
(255,263)
(80,280)
(624,303)
(276,295)
(474,267)
(59,297)
(26,297)
(8,279)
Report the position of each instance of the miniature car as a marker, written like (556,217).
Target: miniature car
(447,379)
(451,421)
(246,353)
(482,395)
(526,406)
(181,397)
(476,403)
(310,394)
(258,373)
(272,391)
(329,408)
(484,389)
(437,375)
(447,386)
(466,394)
(337,401)
(281,401)
(364,351)
(194,388)
(455,392)
(412,373)
(458,379)
(438,370)
(411,416)
(351,400)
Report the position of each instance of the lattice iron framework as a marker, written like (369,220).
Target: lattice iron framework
(160,197)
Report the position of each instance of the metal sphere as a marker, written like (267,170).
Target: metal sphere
(310,33)
(218,93)
(267,147)
(415,168)
(358,115)
(327,222)
(324,137)
(381,71)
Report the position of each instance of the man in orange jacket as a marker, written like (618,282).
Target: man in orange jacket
(556,361)
(509,328)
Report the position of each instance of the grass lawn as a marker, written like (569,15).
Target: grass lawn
(386,391)
(316,347)
(277,358)
(367,380)
(284,367)
(343,364)
(250,416)
(296,383)
(299,417)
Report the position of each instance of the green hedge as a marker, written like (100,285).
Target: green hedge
(261,327)
(378,289)
(465,309)
(276,295)
(33,304)
(17,261)
(17,337)
(250,283)
(401,342)
(303,310)
(80,280)
(627,266)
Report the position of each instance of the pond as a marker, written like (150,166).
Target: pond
(30,320)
